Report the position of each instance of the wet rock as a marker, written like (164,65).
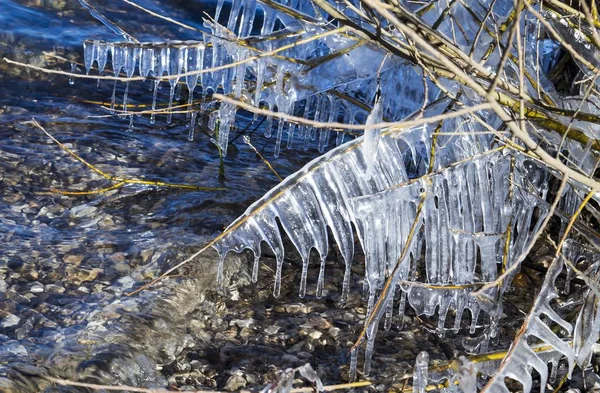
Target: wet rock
(30,275)
(78,275)
(54,289)
(83,211)
(73,259)
(37,288)
(234,383)
(9,320)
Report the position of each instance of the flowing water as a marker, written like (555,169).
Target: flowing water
(66,260)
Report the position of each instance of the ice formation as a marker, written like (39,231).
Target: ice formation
(420,373)
(521,356)
(467,211)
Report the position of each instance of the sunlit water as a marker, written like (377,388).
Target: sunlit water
(64,259)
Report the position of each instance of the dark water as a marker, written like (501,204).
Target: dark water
(65,260)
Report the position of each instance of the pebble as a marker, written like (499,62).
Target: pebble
(273,329)
(242,323)
(30,275)
(54,289)
(84,210)
(73,259)
(37,288)
(247,332)
(10,320)
(235,383)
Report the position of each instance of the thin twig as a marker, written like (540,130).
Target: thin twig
(119,181)
(247,141)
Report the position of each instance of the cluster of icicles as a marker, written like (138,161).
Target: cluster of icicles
(466,211)
(540,326)
(337,90)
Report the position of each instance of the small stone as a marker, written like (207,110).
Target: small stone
(54,289)
(83,290)
(122,269)
(117,257)
(30,275)
(273,329)
(78,275)
(242,323)
(37,288)
(235,383)
(315,335)
(320,323)
(10,320)
(246,332)
(73,259)
(334,332)
(83,211)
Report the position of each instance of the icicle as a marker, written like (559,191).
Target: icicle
(147,63)
(247,18)
(117,64)
(421,373)
(234,12)
(220,270)
(194,60)
(269,21)
(226,119)
(401,308)
(89,52)
(255,267)
(269,124)
(371,138)
(71,77)
(290,134)
(467,375)
(304,274)
(371,333)
(192,126)
(101,56)
(307,133)
(353,364)
(389,312)
(218,9)
(130,128)
(339,139)
(240,74)
(278,139)
(176,58)
(260,75)
(321,279)
(129,54)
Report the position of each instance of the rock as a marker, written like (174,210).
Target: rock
(54,289)
(273,329)
(30,275)
(122,269)
(242,323)
(73,259)
(234,383)
(83,211)
(246,332)
(37,288)
(77,275)
(9,321)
